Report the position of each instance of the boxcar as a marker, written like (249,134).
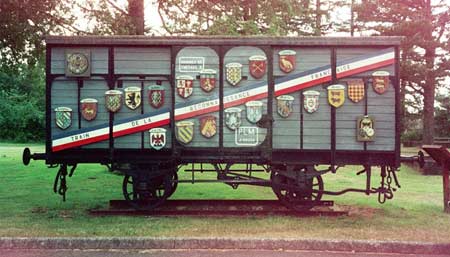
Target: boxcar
(288,106)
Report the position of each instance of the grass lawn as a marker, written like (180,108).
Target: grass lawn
(28,207)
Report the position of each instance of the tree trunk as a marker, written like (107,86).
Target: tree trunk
(317,31)
(430,80)
(136,12)
(428,98)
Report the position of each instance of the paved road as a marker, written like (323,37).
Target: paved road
(193,253)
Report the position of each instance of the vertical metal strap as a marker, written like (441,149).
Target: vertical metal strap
(270,96)
(48,103)
(79,86)
(111,82)
(222,52)
(333,110)
(301,118)
(398,107)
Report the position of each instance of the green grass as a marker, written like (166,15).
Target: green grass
(28,207)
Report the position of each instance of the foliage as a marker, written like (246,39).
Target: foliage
(425,60)
(22,103)
(268,17)
(442,116)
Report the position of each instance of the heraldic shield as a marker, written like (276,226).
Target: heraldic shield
(156,96)
(336,95)
(233,73)
(355,90)
(113,100)
(254,111)
(380,81)
(89,108)
(208,80)
(63,117)
(287,60)
(208,126)
(233,118)
(257,66)
(285,105)
(157,138)
(133,97)
(184,131)
(311,100)
(185,86)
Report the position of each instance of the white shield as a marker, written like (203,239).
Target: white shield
(233,118)
(157,138)
(254,111)
(311,100)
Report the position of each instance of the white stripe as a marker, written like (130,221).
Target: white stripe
(304,79)
(141,122)
(365,62)
(80,136)
(245,94)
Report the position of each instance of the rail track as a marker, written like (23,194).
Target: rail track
(214,208)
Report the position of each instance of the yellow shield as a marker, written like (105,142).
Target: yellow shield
(336,95)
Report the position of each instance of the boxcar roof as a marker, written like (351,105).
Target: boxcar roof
(223,40)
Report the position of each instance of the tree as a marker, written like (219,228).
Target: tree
(250,17)
(425,50)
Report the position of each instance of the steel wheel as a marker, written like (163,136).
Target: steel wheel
(295,195)
(146,193)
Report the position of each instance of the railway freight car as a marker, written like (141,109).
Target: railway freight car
(288,106)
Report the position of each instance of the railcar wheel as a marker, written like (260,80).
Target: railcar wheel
(297,195)
(147,193)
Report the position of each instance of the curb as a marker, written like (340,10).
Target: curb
(222,243)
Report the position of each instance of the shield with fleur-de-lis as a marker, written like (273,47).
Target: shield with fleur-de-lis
(286,60)
(233,73)
(185,86)
(63,117)
(207,80)
(113,100)
(156,96)
(257,66)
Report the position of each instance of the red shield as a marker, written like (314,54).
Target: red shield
(208,80)
(156,96)
(287,60)
(380,81)
(185,86)
(257,66)
(89,108)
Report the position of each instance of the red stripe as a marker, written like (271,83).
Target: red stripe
(244,100)
(302,86)
(196,113)
(80,142)
(106,136)
(365,68)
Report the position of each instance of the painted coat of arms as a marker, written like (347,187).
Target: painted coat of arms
(208,80)
(157,138)
(63,117)
(208,126)
(365,127)
(355,90)
(311,100)
(184,131)
(156,96)
(287,60)
(185,86)
(257,66)
(233,73)
(380,81)
(133,97)
(254,111)
(78,63)
(336,95)
(233,118)
(285,105)
(89,108)
(113,100)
